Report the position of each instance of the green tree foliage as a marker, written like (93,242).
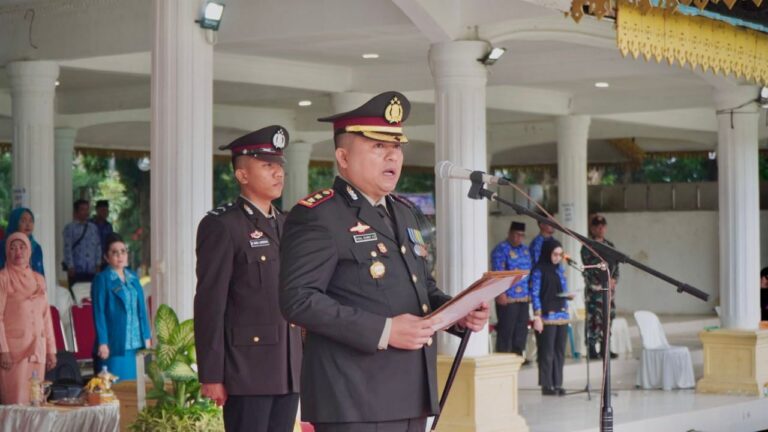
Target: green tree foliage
(6,197)
(225,187)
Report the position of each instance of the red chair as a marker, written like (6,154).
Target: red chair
(306,427)
(83,331)
(58,330)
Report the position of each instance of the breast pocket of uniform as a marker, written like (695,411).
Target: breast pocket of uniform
(262,266)
(255,335)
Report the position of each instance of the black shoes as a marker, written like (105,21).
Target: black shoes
(549,391)
(560,391)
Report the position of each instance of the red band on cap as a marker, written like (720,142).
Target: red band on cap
(363,121)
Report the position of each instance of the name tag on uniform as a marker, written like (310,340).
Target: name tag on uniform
(259,242)
(362,238)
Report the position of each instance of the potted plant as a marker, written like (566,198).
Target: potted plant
(179,406)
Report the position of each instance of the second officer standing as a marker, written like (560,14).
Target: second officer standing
(249,357)
(512,305)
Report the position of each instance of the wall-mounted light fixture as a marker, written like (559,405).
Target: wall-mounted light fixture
(210,15)
(492,56)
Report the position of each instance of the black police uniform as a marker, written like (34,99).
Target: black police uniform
(347,267)
(241,338)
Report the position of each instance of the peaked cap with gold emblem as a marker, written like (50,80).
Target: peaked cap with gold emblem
(381,118)
(265,144)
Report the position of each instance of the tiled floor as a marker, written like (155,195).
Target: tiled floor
(646,411)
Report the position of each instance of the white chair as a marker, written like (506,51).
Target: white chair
(661,365)
(621,342)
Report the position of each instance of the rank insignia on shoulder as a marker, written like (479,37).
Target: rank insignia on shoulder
(248,209)
(220,210)
(315,198)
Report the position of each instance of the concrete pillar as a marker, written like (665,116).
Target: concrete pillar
(483,381)
(33,88)
(736,356)
(739,208)
(462,224)
(572,137)
(64,155)
(297,156)
(181,149)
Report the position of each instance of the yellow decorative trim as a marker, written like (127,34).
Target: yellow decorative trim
(692,41)
(385,129)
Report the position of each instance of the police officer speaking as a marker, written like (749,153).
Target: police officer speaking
(248,356)
(354,274)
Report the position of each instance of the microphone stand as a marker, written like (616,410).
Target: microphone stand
(609,254)
(587,389)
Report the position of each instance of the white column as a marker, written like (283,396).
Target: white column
(462,224)
(297,156)
(64,154)
(572,135)
(33,87)
(182,149)
(739,207)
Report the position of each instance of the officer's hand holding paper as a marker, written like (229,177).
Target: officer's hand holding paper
(484,289)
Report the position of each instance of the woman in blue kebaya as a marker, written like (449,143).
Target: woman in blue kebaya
(549,295)
(119,312)
(22,220)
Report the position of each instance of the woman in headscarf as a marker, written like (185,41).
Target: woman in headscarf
(549,294)
(27,344)
(119,312)
(22,220)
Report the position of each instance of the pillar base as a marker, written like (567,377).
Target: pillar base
(484,395)
(735,362)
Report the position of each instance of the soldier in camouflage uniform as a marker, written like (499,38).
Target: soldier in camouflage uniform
(593,281)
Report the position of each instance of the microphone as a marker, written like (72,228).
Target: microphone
(447,170)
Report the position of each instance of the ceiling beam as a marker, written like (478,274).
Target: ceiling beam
(438,20)
(236,68)
(589,32)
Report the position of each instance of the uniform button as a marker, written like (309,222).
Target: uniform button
(424,308)
(263,258)
(256,339)
(374,254)
(403,249)
(414,278)
(429,342)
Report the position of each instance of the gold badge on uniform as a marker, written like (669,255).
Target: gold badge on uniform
(377,270)
(256,234)
(394,111)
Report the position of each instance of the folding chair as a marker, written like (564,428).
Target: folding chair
(83,331)
(58,330)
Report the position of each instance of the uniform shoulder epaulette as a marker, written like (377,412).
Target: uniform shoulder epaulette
(402,200)
(221,209)
(316,198)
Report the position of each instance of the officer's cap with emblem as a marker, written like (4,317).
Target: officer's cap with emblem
(381,118)
(266,144)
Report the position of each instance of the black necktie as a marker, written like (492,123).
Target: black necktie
(386,217)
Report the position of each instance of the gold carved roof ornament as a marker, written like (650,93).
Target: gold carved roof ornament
(607,8)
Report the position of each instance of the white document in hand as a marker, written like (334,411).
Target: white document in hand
(484,289)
